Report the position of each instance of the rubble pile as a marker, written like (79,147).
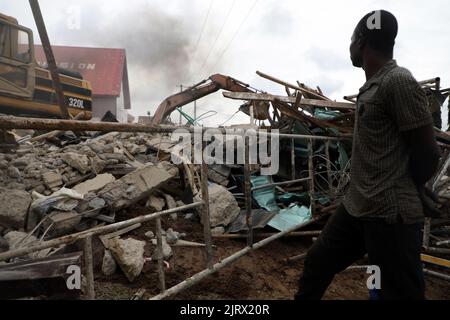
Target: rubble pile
(65,183)
(48,190)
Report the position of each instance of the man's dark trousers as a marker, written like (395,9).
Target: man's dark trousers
(394,247)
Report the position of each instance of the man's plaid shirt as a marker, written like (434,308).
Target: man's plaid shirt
(381,186)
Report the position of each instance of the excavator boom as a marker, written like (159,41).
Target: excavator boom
(216,83)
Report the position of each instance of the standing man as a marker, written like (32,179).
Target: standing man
(394,154)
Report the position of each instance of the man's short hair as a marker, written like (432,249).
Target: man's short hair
(380,35)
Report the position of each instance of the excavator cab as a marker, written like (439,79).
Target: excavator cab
(17,68)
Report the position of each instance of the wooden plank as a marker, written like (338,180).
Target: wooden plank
(160,256)
(89,268)
(435,260)
(248,193)
(206,215)
(292,86)
(51,62)
(247,96)
(45,268)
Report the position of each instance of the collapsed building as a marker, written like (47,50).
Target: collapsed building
(80,183)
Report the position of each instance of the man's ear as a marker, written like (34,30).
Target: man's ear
(362,41)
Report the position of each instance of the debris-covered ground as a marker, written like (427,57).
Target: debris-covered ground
(262,275)
(65,183)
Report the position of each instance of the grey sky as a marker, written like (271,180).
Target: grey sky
(289,39)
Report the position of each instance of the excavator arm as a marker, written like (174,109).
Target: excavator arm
(213,84)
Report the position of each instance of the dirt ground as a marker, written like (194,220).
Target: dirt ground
(262,275)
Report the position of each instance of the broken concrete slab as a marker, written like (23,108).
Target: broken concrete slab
(63,222)
(65,205)
(94,184)
(129,255)
(97,164)
(155,203)
(52,179)
(76,161)
(223,207)
(134,187)
(109,265)
(97,203)
(169,167)
(15,204)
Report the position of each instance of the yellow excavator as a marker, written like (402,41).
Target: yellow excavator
(27,89)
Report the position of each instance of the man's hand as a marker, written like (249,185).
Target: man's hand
(429,201)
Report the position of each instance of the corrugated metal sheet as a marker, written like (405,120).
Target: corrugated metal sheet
(102,67)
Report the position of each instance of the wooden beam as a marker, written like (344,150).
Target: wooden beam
(435,260)
(89,266)
(247,96)
(50,58)
(292,86)
(44,268)
(206,215)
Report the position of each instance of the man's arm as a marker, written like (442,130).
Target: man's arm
(410,112)
(409,109)
(425,153)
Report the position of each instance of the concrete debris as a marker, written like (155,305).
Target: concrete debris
(189,216)
(217,231)
(109,265)
(171,236)
(76,161)
(129,255)
(13,172)
(61,223)
(134,187)
(97,203)
(169,167)
(180,203)
(3,164)
(94,184)
(171,203)
(155,203)
(167,249)
(149,234)
(97,164)
(15,204)
(4,245)
(223,207)
(17,239)
(52,179)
